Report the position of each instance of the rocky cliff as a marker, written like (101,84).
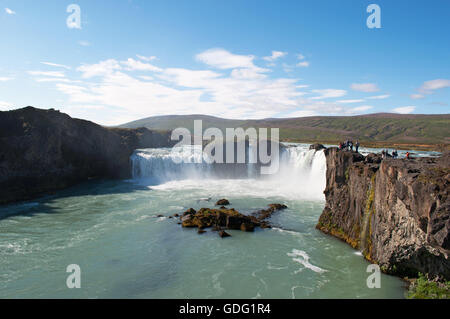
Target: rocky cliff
(45,150)
(396,211)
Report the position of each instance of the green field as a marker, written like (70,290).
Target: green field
(384,129)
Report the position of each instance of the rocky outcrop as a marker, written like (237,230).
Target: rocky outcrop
(228,218)
(316,147)
(45,150)
(222,202)
(396,211)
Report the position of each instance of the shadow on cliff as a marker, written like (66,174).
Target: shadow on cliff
(43,205)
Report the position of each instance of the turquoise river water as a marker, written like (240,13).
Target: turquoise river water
(111,231)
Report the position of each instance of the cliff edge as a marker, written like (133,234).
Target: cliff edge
(45,150)
(395,211)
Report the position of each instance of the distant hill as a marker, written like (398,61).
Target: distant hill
(380,129)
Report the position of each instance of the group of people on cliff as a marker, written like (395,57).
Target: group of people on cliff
(348,145)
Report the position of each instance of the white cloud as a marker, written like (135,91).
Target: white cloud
(84,43)
(102,68)
(135,65)
(222,59)
(242,94)
(54,80)
(429,86)
(364,87)
(5,106)
(57,65)
(146,77)
(5,78)
(189,78)
(132,89)
(146,58)
(350,101)
(328,93)
(9,11)
(404,109)
(239,95)
(247,74)
(287,68)
(58,74)
(302,113)
(303,64)
(275,55)
(360,109)
(379,97)
(300,56)
(417,96)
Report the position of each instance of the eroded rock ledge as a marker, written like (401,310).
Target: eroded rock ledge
(396,211)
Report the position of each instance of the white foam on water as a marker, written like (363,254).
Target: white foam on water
(302,257)
(285,231)
(140,218)
(160,219)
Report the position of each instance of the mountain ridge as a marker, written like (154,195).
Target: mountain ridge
(403,131)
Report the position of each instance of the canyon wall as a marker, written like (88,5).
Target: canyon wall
(395,211)
(45,150)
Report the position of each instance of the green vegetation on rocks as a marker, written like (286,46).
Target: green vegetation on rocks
(424,288)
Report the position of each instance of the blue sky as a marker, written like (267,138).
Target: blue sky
(236,58)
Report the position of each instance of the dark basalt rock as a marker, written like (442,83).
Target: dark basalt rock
(222,202)
(317,147)
(45,150)
(208,217)
(396,211)
(247,227)
(266,213)
(277,206)
(190,211)
(373,158)
(224,234)
(228,218)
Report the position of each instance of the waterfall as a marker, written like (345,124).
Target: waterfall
(301,170)
(162,164)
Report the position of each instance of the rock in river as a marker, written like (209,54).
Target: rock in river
(228,218)
(222,202)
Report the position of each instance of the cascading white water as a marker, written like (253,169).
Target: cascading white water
(164,164)
(301,171)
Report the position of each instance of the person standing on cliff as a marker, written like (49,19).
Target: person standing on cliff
(357,146)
